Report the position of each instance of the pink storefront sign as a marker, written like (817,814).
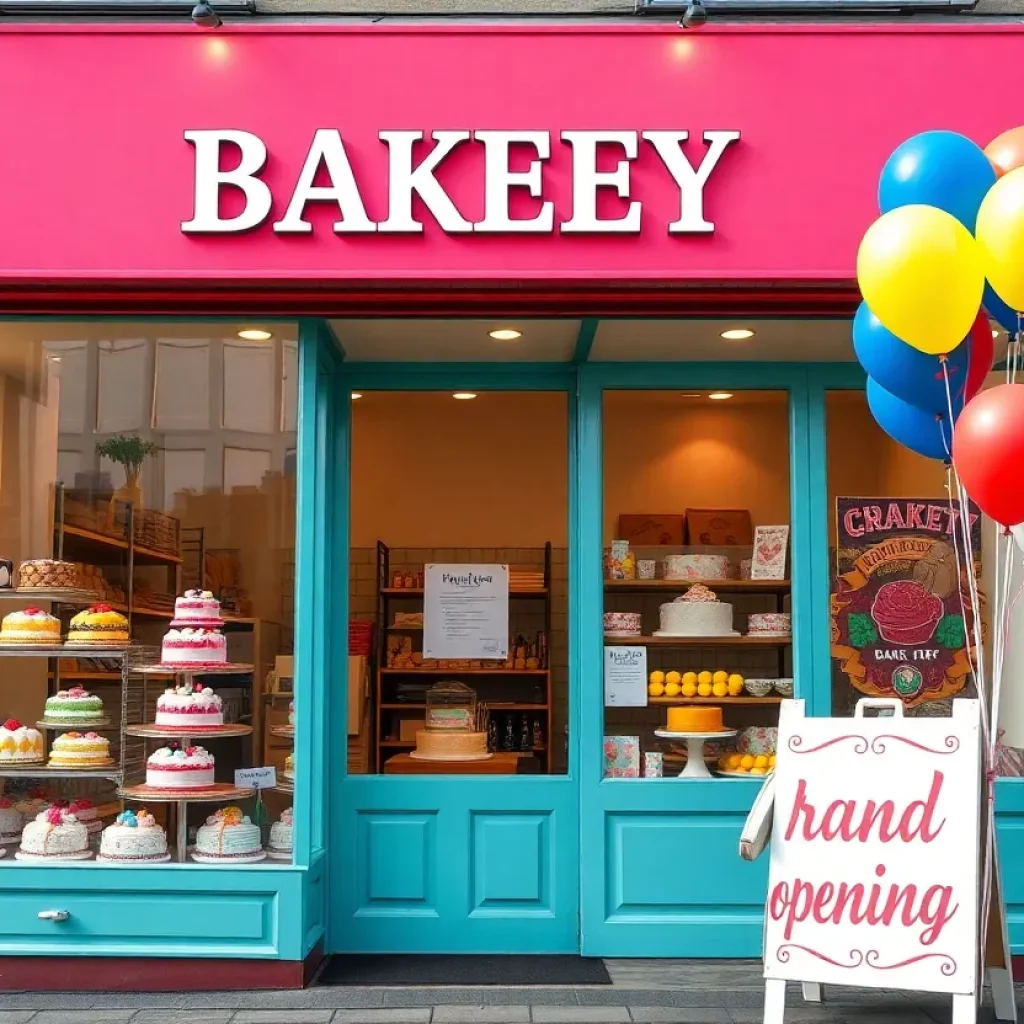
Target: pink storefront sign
(470,153)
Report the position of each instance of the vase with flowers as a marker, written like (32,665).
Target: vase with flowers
(129,451)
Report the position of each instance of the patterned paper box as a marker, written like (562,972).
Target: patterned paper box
(622,757)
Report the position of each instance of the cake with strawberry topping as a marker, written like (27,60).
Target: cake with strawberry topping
(228,836)
(280,845)
(189,706)
(189,648)
(134,838)
(73,707)
(20,744)
(175,767)
(196,609)
(99,626)
(84,810)
(55,834)
(11,822)
(80,750)
(30,628)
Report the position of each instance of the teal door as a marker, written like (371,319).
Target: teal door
(449,864)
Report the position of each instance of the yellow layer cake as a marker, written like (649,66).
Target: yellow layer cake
(99,625)
(30,628)
(450,746)
(691,719)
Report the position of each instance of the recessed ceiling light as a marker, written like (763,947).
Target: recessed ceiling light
(464,396)
(995,334)
(255,334)
(505,334)
(720,396)
(356,394)
(737,334)
(690,394)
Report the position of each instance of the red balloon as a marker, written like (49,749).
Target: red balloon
(983,354)
(988,452)
(1006,151)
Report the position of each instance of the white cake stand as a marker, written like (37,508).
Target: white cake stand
(695,766)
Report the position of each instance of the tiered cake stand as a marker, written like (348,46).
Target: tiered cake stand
(220,792)
(696,768)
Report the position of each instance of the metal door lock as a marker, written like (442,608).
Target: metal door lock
(53,915)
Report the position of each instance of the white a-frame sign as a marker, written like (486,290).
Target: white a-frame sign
(875,856)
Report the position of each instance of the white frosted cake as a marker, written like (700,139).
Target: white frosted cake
(11,822)
(228,837)
(696,567)
(177,768)
(20,744)
(197,609)
(190,706)
(55,834)
(133,839)
(194,647)
(698,612)
(280,845)
(85,811)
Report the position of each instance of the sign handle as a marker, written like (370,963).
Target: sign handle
(889,703)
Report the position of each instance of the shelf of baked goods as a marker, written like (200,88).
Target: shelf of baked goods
(661,586)
(493,705)
(59,595)
(83,540)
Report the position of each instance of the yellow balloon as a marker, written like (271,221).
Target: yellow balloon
(1000,232)
(920,272)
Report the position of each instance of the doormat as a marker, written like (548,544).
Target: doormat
(421,969)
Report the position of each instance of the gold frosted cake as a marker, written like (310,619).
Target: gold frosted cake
(691,719)
(99,625)
(452,732)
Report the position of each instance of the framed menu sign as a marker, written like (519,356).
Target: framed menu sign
(902,614)
(465,611)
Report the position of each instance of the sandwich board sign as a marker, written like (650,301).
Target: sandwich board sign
(876,855)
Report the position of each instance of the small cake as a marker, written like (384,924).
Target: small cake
(176,768)
(696,567)
(622,624)
(228,836)
(99,626)
(84,810)
(80,750)
(189,706)
(694,719)
(133,839)
(11,822)
(48,574)
(73,707)
(194,647)
(31,628)
(196,609)
(54,834)
(280,845)
(769,624)
(291,713)
(289,768)
(698,612)
(20,744)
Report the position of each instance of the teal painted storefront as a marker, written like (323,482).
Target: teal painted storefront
(539,864)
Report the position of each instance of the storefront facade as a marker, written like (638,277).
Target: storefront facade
(607,172)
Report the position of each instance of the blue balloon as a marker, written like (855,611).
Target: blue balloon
(920,431)
(906,372)
(999,310)
(943,169)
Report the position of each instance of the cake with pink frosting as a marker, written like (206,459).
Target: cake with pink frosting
(698,612)
(280,845)
(190,648)
(54,834)
(189,706)
(176,767)
(196,609)
(84,810)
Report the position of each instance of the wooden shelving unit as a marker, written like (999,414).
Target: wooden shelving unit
(493,686)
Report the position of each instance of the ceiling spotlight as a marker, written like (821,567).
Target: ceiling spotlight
(505,334)
(355,395)
(695,16)
(464,396)
(995,334)
(720,396)
(255,334)
(690,394)
(737,334)
(205,16)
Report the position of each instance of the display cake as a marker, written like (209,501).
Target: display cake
(54,834)
(98,626)
(134,838)
(769,624)
(49,574)
(698,612)
(194,647)
(196,609)
(80,750)
(228,837)
(697,567)
(452,730)
(190,706)
(30,628)
(175,767)
(20,744)
(73,707)
(289,768)
(694,720)
(291,713)
(280,845)
(11,822)
(84,810)
(622,624)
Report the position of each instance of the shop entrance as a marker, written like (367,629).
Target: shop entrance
(463,466)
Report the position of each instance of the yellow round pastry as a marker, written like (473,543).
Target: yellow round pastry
(720,677)
(747,762)
(657,677)
(720,690)
(656,689)
(673,677)
(690,678)
(771,760)
(689,689)
(705,677)
(735,680)
(760,761)
(758,771)
(671,689)
(734,761)
(704,690)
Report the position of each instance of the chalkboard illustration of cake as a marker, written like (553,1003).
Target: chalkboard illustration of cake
(906,613)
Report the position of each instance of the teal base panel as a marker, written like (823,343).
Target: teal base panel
(1010,839)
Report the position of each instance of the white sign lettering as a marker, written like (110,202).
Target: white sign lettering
(409,177)
(256,778)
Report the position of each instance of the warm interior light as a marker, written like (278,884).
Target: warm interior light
(737,334)
(995,334)
(720,396)
(355,395)
(505,334)
(690,394)
(255,334)
(464,396)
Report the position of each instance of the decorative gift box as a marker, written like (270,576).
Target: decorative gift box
(622,757)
